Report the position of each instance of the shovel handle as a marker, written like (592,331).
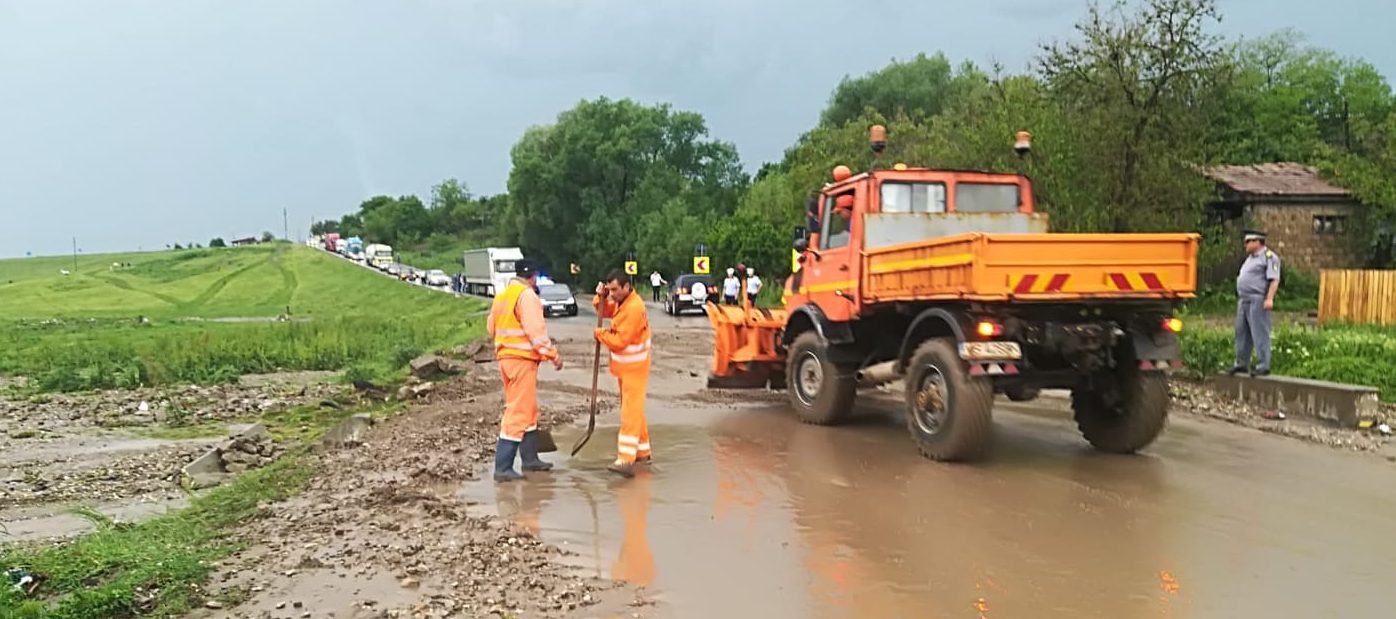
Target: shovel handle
(595,377)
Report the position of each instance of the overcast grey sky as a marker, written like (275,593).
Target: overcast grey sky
(136,124)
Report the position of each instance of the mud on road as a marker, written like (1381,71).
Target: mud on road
(382,530)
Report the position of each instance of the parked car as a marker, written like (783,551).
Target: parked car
(437,277)
(394,269)
(688,292)
(404,273)
(557,299)
(418,275)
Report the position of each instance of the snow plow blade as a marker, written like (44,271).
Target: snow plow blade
(746,347)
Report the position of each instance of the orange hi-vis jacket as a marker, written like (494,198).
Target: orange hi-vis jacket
(516,322)
(628,337)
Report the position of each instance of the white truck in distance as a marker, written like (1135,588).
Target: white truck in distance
(489,269)
(379,256)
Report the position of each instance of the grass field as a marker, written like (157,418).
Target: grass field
(207,315)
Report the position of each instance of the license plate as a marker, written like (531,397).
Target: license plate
(990,350)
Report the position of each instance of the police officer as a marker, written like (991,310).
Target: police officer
(1255,288)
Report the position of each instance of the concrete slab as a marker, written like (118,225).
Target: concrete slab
(209,469)
(1339,403)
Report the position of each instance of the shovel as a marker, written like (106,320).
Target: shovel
(595,375)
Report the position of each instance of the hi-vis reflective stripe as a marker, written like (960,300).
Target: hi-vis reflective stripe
(633,353)
(510,332)
(1135,281)
(1039,283)
(513,345)
(952,260)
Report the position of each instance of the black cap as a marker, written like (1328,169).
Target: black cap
(1254,235)
(525,268)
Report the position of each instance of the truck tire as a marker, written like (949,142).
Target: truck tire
(820,392)
(949,413)
(1130,425)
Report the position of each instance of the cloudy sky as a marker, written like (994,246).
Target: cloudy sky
(136,124)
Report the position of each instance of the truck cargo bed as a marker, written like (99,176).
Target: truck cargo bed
(1033,267)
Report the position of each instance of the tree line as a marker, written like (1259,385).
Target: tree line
(1123,114)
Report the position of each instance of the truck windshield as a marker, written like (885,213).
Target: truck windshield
(986,198)
(504,266)
(913,198)
(383,253)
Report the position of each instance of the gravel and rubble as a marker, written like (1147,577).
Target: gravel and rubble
(68,449)
(382,531)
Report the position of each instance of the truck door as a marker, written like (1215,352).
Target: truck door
(831,278)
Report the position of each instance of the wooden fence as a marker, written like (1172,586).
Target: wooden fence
(1358,297)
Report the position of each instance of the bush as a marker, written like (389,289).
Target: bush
(1298,293)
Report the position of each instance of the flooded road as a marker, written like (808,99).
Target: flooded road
(746,512)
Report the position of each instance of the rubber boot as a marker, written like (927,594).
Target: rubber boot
(624,469)
(528,449)
(504,452)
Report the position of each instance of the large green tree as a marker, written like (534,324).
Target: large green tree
(614,177)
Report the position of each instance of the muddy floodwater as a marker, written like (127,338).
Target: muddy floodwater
(748,513)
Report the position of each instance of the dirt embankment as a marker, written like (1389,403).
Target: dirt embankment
(383,531)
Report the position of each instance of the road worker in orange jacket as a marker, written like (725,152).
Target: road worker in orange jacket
(628,340)
(520,343)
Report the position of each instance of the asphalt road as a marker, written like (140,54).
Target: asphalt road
(747,512)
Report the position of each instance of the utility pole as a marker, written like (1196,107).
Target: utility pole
(75,254)
(285,226)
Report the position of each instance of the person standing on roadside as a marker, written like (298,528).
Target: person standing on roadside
(753,285)
(520,343)
(731,287)
(1256,285)
(628,340)
(657,283)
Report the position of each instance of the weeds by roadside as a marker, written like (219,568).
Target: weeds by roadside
(123,357)
(1348,354)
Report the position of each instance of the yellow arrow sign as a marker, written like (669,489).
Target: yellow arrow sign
(701,265)
(632,267)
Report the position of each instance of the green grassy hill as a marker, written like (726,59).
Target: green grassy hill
(83,330)
(261,281)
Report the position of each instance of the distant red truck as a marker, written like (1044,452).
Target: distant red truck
(332,242)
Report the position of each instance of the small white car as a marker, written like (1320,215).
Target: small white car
(437,277)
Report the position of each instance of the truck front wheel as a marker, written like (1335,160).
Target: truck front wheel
(1127,420)
(949,413)
(821,393)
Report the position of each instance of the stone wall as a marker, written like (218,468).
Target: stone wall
(1290,228)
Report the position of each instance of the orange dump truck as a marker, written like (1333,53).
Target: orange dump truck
(948,282)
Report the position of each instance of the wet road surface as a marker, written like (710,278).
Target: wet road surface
(747,512)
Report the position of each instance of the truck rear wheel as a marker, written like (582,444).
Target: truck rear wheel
(949,413)
(820,392)
(1127,421)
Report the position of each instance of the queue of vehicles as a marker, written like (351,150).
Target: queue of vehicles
(484,271)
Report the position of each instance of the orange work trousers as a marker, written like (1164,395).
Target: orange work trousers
(634,438)
(520,398)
